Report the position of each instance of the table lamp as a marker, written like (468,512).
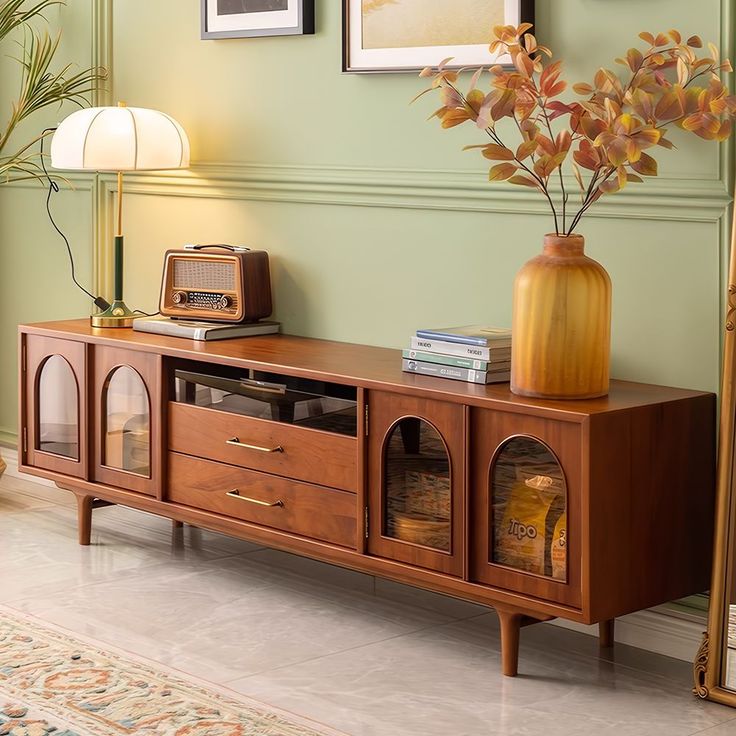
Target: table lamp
(119,139)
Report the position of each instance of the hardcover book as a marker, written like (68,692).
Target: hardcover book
(457,374)
(470,335)
(458,349)
(203,330)
(496,363)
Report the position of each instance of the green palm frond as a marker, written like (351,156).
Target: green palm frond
(13,14)
(40,84)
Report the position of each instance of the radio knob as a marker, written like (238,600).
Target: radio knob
(224,302)
(179,297)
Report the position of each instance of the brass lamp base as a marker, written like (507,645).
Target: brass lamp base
(118,315)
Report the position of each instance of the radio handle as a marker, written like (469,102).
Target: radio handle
(233,248)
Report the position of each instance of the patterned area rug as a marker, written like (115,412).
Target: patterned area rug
(52,682)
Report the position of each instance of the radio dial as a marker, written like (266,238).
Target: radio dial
(224,302)
(179,297)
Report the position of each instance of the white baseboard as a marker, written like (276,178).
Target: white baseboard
(658,630)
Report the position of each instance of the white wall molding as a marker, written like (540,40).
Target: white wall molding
(691,200)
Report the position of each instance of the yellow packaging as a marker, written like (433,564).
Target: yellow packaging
(520,541)
(559,549)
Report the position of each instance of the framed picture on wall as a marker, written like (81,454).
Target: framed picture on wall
(249,18)
(408,35)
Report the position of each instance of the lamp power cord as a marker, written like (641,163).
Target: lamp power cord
(99,301)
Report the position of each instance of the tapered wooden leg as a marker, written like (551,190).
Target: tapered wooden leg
(176,524)
(84,518)
(606,633)
(510,627)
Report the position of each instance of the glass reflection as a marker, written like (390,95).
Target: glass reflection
(417,496)
(528,508)
(58,409)
(126,409)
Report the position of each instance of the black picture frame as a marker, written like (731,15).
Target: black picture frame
(526,15)
(304,25)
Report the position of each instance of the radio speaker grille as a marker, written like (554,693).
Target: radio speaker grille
(203,275)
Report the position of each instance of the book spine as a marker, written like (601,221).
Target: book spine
(444,371)
(448,348)
(447,337)
(457,362)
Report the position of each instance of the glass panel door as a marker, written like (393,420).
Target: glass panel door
(57,409)
(127,415)
(529,509)
(418,498)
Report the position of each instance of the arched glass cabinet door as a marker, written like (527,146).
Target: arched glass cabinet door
(416,468)
(528,509)
(126,411)
(57,409)
(417,493)
(127,419)
(54,405)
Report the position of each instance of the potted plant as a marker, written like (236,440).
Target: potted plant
(607,137)
(40,86)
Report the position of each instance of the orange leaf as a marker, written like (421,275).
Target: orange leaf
(582,88)
(634,58)
(675,36)
(556,89)
(646,165)
(648,37)
(524,181)
(549,76)
(703,124)
(546,145)
(454,117)
(501,172)
(661,40)
(587,158)
(695,42)
(610,187)
(526,149)
(724,131)
(494,152)
(670,105)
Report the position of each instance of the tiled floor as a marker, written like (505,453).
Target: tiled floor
(369,658)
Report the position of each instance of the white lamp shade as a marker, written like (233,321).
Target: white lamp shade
(119,139)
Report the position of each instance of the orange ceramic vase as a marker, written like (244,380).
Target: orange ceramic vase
(561,324)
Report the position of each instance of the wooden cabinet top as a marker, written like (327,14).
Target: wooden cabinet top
(359,365)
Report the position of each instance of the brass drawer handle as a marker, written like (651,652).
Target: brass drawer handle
(235,493)
(237,443)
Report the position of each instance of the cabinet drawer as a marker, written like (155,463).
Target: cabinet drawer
(300,508)
(304,454)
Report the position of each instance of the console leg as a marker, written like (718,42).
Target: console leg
(84,518)
(510,627)
(176,524)
(606,633)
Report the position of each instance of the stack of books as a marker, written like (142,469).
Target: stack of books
(474,354)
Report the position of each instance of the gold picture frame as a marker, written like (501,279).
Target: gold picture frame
(398,44)
(713,678)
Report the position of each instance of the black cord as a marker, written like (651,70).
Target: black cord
(99,302)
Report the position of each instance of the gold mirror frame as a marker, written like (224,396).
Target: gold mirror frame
(709,667)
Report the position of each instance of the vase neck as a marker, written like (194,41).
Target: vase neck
(564,245)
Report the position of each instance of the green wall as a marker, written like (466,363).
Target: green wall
(376,222)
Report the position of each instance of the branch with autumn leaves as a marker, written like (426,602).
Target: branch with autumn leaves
(607,132)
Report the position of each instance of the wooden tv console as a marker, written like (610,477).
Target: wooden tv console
(584,510)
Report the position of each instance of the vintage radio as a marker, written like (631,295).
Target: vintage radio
(216,283)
